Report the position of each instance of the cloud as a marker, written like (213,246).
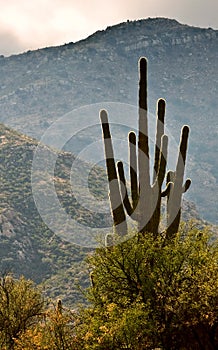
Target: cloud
(32,24)
(9,43)
(42,23)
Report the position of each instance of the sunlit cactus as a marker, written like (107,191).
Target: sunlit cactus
(143,204)
(175,186)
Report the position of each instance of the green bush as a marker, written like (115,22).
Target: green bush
(151,292)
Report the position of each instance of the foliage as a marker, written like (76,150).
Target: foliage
(27,324)
(53,332)
(151,292)
(27,246)
(112,327)
(20,306)
(146,293)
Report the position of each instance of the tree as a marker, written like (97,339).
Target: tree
(55,331)
(153,292)
(21,303)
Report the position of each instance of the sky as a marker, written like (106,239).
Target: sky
(32,24)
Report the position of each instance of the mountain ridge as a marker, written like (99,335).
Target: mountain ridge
(40,86)
(27,245)
(165,20)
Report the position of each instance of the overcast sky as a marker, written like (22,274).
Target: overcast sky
(32,24)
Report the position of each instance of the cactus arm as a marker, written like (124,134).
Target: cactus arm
(180,167)
(159,133)
(166,191)
(170,176)
(186,185)
(184,142)
(123,188)
(109,154)
(175,196)
(133,169)
(117,209)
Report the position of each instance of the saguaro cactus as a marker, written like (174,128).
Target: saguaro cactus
(117,209)
(176,188)
(145,203)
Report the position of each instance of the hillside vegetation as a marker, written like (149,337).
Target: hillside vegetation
(40,86)
(27,246)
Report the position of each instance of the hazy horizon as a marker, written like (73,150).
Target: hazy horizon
(42,23)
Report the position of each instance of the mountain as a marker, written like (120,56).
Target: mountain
(30,244)
(27,245)
(38,87)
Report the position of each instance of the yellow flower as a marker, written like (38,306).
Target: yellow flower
(104,329)
(88,335)
(111,307)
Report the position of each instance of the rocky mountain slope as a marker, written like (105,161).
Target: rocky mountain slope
(38,87)
(29,244)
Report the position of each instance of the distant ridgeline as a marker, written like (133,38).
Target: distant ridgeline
(40,86)
(170,39)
